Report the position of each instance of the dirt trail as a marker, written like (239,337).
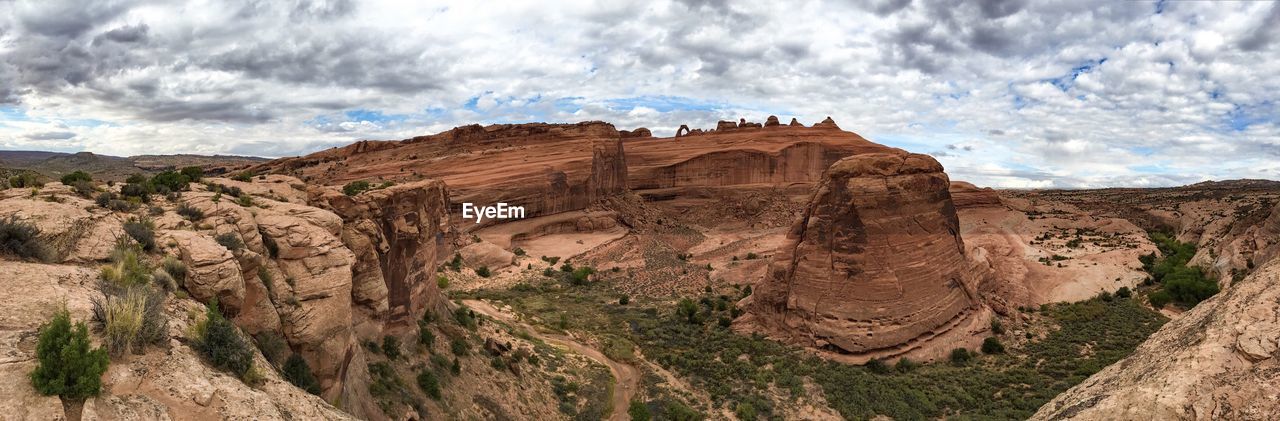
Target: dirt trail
(627,378)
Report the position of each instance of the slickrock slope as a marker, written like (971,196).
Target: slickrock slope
(547,168)
(1220,360)
(874,267)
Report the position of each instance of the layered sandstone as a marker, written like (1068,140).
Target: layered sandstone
(547,168)
(966,195)
(874,266)
(1220,360)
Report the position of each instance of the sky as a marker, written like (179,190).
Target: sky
(1019,94)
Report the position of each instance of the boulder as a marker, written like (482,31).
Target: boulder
(212,270)
(486,254)
(875,262)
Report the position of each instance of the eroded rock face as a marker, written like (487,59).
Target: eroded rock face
(212,271)
(875,264)
(966,195)
(546,168)
(1217,361)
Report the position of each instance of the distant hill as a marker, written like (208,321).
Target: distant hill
(106,167)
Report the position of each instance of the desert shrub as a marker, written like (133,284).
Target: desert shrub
(221,344)
(549,272)
(174,267)
(551,260)
(425,337)
(429,384)
(566,267)
(905,365)
(639,411)
(298,372)
(442,282)
(876,365)
(960,356)
(66,366)
(244,200)
(1159,299)
(83,189)
(246,176)
(23,239)
(459,347)
(581,275)
(455,264)
(391,347)
(171,180)
(387,387)
(1124,292)
(992,345)
(130,318)
(465,317)
(626,299)
(143,231)
(136,179)
(163,279)
(355,187)
(25,179)
(189,212)
(230,240)
(127,269)
(688,310)
(272,346)
(483,272)
(518,251)
(193,174)
(104,199)
(140,191)
(997,327)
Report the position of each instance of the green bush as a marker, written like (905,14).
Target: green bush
(128,268)
(245,177)
(222,345)
(905,365)
(174,267)
(66,366)
(580,275)
(297,371)
(626,299)
(193,174)
(425,337)
(483,272)
(391,347)
(688,310)
(991,345)
(23,239)
(875,365)
(1159,299)
(170,180)
(639,411)
(355,187)
(1124,292)
(429,384)
(442,282)
(997,327)
(459,347)
(143,231)
(230,240)
(960,356)
(189,212)
(25,179)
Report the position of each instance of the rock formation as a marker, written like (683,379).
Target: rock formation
(546,168)
(640,132)
(1220,360)
(795,123)
(772,121)
(966,195)
(725,125)
(827,123)
(874,266)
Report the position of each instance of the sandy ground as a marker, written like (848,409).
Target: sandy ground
(627,377)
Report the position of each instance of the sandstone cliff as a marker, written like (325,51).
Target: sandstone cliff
(875,266)
(1220,360)
(966,195)
(547,168)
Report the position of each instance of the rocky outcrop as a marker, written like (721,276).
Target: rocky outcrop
(827,123)
(795,123)
(966,196)
(725,125)
(874,266)
(399,234)
(640,132)
(212,271)
(546,168)
(772,121)
(1220,360)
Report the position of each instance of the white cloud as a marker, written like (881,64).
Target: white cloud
(1182,95)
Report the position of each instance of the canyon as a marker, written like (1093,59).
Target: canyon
(810,238)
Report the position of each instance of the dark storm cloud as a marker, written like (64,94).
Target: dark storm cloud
(67,19)
(995,9)
(1264,33)
(125,34)
(884,8)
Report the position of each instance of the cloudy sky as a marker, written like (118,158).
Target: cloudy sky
(1005,93)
